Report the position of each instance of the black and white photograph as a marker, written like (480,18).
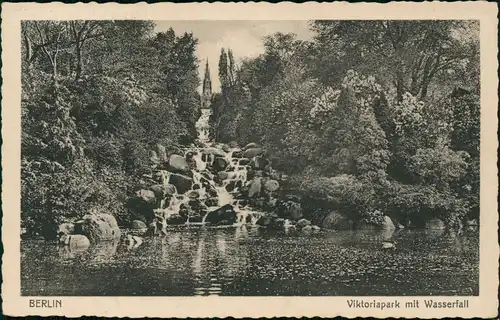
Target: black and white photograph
(250,158)
(216,160)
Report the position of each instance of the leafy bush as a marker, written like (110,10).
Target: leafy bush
(87,131)
(344,193)
(375,217)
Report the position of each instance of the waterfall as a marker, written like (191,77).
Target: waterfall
(207,183)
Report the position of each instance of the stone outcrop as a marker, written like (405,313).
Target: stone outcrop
(250,146)
(220,164)
(303,223)
(255,187)
(181,182)
(252,152)
(138,224)
(74,241)
(178,164)
(162,191)
(98,227)
(259,163)
(214,152)
(223,215)
(271,185)
(147,196)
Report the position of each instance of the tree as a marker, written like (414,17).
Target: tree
(414,53)
(223,70)
(353,137)
(231,73)
(47,37)
(82,32)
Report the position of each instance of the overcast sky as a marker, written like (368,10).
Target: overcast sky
(243,37)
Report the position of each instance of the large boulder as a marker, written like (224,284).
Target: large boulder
(271,185)
(387,224)
(146,196)
(337,221)
(214,151)
(259,163)
(220,164)
(435,224)
(137,225)
(224,214)
(75,241)
(250,146)
(252,152)
(255,187)
(178,164)
(98,227)
(142,204)
(181,182)
(243,161)
(303,223)
(176,219)
(161,191)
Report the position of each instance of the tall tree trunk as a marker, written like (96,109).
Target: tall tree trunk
(78,62)
(425,88)
(399,85)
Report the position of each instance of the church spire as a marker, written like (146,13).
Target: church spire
(207,88)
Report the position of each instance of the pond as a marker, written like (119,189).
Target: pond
(248,261)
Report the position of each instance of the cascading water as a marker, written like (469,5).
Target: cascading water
(207,183)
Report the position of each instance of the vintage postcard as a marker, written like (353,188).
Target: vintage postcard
(250,160)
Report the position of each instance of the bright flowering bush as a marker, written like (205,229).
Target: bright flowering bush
(324,104)
(375,217)
(409,115)
(419,124)
(365,88)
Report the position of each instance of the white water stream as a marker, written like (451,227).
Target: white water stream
(205,180)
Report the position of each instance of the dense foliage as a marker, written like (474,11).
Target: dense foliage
(368,117)
(96,97)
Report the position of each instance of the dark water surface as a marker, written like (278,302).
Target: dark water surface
(247,261)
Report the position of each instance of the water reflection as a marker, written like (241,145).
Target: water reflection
(69,253)
(251,261)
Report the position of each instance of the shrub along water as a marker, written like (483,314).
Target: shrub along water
(96,97)
(361,128)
